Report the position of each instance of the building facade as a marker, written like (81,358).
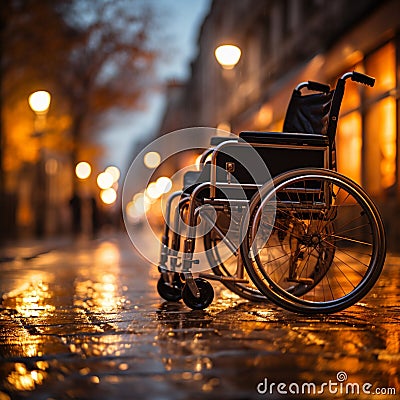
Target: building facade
(284,42)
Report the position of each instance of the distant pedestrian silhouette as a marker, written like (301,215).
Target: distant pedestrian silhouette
(76,208)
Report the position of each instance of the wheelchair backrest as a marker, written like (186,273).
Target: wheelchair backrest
(278,152)
(308,113)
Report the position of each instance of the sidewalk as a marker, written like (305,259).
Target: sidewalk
(86,322)
(28,249)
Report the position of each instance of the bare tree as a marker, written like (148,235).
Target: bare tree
(111,61)
(94,56)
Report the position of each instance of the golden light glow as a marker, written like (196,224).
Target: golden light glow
(380,127)
(198,159)
(108,196)
(264,116)
(164,184)
(153,191)
(40,101)
(152,159)
(132,213)
(228,55)
(114,171)
(137,208)
(382,65)
(100,292)
(105,180)
(224,126)
(31,299)
(83,170)
(51,166)
(381,145)
(142,202)
(387,141)
(352,99)
(349,142)
(197,162)
(23,379)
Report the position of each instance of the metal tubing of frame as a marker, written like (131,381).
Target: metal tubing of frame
(213,172)
(168,207)
(189,243)
(165,238)
(227,241)
(204,156)
(176,238)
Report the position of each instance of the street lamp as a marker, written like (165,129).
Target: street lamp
(228,55)
(39,102)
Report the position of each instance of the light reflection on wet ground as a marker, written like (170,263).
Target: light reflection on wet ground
(86,322)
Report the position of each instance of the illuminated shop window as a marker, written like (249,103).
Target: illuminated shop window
(348,145)
(381,145)
(352,98)
(380,123)
(382,65)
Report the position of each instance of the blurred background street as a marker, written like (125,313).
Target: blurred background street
(85,86)
(84,89)
(86,322)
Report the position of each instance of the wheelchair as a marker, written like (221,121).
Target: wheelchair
(274,218)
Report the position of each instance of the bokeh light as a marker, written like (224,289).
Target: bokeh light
(39,101)
(152,159)
(114,171)
(228,55)
(108,196)
(105,180)
(164,184)
(83,170)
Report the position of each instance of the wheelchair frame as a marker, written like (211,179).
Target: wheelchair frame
(177,280)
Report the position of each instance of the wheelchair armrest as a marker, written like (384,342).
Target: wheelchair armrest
(296,139)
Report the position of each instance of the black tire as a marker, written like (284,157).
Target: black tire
(170,291)
(206,295)
(357,238)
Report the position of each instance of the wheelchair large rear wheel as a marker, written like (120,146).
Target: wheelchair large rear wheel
(327,247)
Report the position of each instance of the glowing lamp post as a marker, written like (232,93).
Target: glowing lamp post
(228,55)
(39,102)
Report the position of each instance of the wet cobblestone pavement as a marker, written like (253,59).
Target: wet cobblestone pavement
(86,322)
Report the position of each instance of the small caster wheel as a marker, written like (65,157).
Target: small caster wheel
(206,295)
(168,291)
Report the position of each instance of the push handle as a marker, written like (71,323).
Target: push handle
(318,87)
(315,86)
(362,78)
